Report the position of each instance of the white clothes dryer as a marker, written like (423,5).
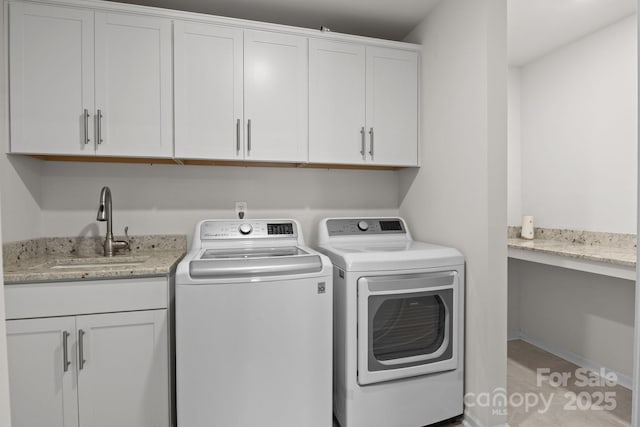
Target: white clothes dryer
(398,324)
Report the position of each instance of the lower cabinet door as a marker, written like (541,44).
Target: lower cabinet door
(42,372)
(123,369)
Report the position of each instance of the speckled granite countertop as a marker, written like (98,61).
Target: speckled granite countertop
(67,259)
(610,248)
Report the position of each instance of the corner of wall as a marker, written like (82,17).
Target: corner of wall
(458,197)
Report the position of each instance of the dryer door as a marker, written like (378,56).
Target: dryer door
(406,325)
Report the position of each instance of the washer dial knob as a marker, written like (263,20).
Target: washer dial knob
(245,228)
(363,225)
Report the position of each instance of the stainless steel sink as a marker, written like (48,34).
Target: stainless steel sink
(98,262)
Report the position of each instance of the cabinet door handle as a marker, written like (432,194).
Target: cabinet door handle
(65,349)
(86,126)
(81,349)
(238,136)
(371,142)
(249,135)
(362,143)
(99,139)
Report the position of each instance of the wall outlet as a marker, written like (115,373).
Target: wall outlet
(241,210)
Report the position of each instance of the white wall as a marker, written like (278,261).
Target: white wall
(578,110)
(514,150)
(5,415)
(19,176)
(579,119)
(20,187)
(514,328)
(153,199)
(583,314)
(458,197)
(5,410)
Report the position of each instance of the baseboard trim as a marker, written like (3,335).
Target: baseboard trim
(470,421)
(514,335)
(623,380)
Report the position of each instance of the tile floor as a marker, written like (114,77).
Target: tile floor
(590,409)
(523,361)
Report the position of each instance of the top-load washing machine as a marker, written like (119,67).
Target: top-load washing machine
(398,324)
(253,327)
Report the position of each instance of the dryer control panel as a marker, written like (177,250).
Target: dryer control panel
(360,226)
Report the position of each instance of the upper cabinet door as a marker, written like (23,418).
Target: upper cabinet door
(208,92)
(392,106)
(42,382)
(123,372)
(50,79)
(133,86)
(276,101)
(336,102)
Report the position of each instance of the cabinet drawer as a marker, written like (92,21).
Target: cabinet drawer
(96,296)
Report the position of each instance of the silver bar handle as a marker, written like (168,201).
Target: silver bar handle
(81,349)
(249,135)
(362,143)
(99,139)
(371,142)
(86,127)
(238,136)
(65,349)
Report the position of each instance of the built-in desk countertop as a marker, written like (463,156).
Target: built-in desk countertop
(610,254)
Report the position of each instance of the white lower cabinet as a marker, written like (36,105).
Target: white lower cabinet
(123,381)
(96,370)
(90,370)
(43,387)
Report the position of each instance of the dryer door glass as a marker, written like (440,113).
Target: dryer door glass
(406,327)
(409,329)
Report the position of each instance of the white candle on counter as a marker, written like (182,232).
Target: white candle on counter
(527,227)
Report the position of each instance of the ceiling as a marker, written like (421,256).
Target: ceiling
(387,19)
(536,27)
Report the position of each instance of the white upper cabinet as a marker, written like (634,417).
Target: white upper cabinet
(363,104)
(208,92)
(51,79)
(336,102)
(133,86)
(60,104)
(276,102)
(115,80)
(240,95)
(392,106)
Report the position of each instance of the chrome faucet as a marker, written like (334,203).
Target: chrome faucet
(104,214)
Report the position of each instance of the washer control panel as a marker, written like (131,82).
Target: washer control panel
(355,226)
(247,229)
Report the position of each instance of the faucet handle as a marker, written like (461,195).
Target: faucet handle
(126,237)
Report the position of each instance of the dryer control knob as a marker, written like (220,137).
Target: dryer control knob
(245,228)
(363,225)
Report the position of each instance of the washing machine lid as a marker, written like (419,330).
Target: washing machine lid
(398,255)
(254,262)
